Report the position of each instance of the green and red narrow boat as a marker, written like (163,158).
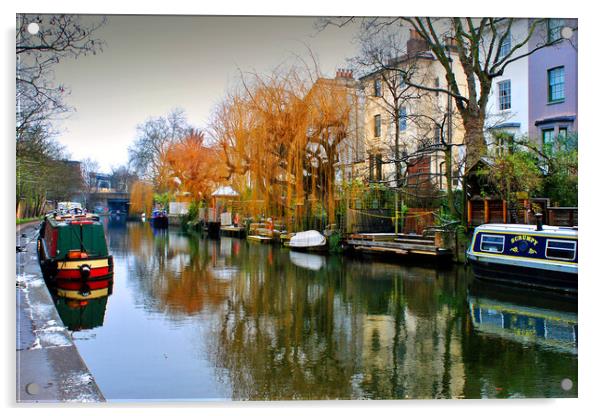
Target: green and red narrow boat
(73,253)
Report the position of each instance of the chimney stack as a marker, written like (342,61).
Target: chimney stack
(344,73)
(416,44)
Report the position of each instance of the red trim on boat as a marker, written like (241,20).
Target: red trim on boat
(74,273)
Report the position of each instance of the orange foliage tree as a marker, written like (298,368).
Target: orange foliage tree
(282,137)
(141,197)
(192,165)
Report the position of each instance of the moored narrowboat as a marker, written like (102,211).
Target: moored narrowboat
(72,250)
(159,219)
(531,255)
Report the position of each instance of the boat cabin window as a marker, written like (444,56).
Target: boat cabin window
(492,243)
(561,249)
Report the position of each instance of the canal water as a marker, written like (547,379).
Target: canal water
(191,318)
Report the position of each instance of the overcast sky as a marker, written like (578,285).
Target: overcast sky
(152,64)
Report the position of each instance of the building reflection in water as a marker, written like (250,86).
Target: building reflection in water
(288,325)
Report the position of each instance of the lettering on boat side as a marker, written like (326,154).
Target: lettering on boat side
(523,238)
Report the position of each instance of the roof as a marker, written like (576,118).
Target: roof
(522,228)
(225,191)
(485,160)
(398,61)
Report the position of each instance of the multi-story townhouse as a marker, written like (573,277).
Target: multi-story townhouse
(553,81)
(407,123)
(537,95)
(508,104)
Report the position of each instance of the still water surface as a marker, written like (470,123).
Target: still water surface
(198,319)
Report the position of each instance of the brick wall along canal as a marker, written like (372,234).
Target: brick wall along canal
(192,318)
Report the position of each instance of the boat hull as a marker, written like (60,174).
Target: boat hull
(311,249)
(524,276)
(544,257)
(96,273)
(213,229)
(260,239)
(160,222)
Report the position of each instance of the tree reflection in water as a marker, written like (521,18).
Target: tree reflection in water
(331,327)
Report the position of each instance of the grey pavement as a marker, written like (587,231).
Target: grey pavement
(49,367)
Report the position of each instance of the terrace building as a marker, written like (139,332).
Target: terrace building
(537,95)
(407,124)
(553,81)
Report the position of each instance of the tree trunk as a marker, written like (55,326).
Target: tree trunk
(449,180)
(474,122)
(397,161)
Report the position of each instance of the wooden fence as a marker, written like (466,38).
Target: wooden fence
(483,211)
(417,219)
(563,216)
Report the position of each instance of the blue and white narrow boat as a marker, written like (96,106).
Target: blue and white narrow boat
(533,255)
(159,219)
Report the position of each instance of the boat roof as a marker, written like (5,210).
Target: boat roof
(524,228)
(64,219)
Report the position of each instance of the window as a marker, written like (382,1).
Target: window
(377,125)
(456,178)
(561,249)
(379,167)
(378,88)
(504,94)
(506,45)
(547,136)
(554,29)
(562,132)
(437,133)
(376,167)
(492,243)
(403,119)
(556,84)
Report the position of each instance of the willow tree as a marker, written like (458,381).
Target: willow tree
(328,104)
(281,137)
(141,198)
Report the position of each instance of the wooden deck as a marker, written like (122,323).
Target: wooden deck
(400,244)
(233,231)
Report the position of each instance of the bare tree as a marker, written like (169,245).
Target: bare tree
(39,98)
(122,178)
(379,62)
(89,168)
(433,138)
(154,136)
(478,42)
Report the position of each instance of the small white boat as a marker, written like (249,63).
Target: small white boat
(307,240)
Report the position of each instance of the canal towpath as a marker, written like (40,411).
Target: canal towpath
(49,366)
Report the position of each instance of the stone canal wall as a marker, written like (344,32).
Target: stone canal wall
(49,367)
